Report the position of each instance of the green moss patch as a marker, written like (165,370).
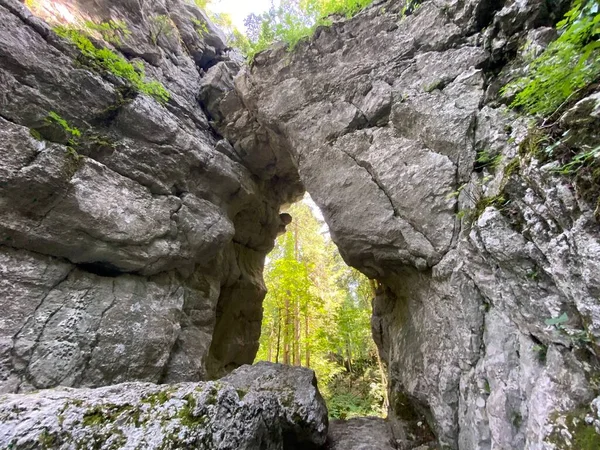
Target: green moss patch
(584,436)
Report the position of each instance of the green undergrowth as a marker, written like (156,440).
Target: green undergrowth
(567,71)
(104,59)
(356,394)
(569,64)
(113,31)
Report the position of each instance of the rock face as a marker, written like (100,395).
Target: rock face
(363,433)
(388,118)
(265,406)
(133,232)
(130,232)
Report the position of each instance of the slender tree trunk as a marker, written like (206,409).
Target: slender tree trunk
(270,344)
(287,329)
(278,334)
(306,334)
(349,356)
(297,329)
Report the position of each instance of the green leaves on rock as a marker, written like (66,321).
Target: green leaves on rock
(568,65)
(104,59)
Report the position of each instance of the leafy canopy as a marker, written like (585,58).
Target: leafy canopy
(293,21)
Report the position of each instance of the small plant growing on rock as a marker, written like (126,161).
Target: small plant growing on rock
(410,7)
(72,132)
(160,25)
(113,31)
(488,160)
(103,59)
(568,65)
(541,351)
(200,27)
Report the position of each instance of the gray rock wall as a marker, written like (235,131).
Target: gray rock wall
(126,245)
(266,406)
(137,253)
(386,116)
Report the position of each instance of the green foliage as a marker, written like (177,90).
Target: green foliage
(317,314)
(160,25)
(202,4)
(557,320)
(410,6)
(113,31)
(55,118)
(579,161)
(541,352)
(292,22)
(568,65)
(103,59)
(200,27)
(487,159)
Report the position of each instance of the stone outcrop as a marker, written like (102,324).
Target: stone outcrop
(388,117)
(136,252)
(127,244)
(265,406)
(362,433)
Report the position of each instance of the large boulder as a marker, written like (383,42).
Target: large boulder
(266,406)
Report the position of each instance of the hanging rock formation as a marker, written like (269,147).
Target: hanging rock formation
(132,249)
(387,117)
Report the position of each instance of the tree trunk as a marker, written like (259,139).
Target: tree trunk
(297,329)
(306,334)
(286,331)
(278,335)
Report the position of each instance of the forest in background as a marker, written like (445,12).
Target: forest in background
(317,314)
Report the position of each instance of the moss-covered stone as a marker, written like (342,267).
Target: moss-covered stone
(584,435)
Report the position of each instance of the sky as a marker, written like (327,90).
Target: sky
(239,9)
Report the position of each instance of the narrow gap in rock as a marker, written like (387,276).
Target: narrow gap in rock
(317,314)
(102,269)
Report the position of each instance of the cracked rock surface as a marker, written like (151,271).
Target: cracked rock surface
(385,116)
(126,248)
(284,411)
(137,254)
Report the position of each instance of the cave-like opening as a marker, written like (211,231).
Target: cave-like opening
(317,314)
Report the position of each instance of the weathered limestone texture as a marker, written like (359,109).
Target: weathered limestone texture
(134,250)
(266,406)
(125,246)
(388,117)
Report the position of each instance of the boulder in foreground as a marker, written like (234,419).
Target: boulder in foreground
(265,406)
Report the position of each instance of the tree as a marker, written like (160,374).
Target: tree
(317,314)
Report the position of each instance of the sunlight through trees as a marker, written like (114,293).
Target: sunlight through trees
(317,314)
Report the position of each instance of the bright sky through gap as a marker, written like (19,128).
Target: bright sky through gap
(239,9)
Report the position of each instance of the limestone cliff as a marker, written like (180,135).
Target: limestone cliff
(387,117)
(130,232)
(136,252)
